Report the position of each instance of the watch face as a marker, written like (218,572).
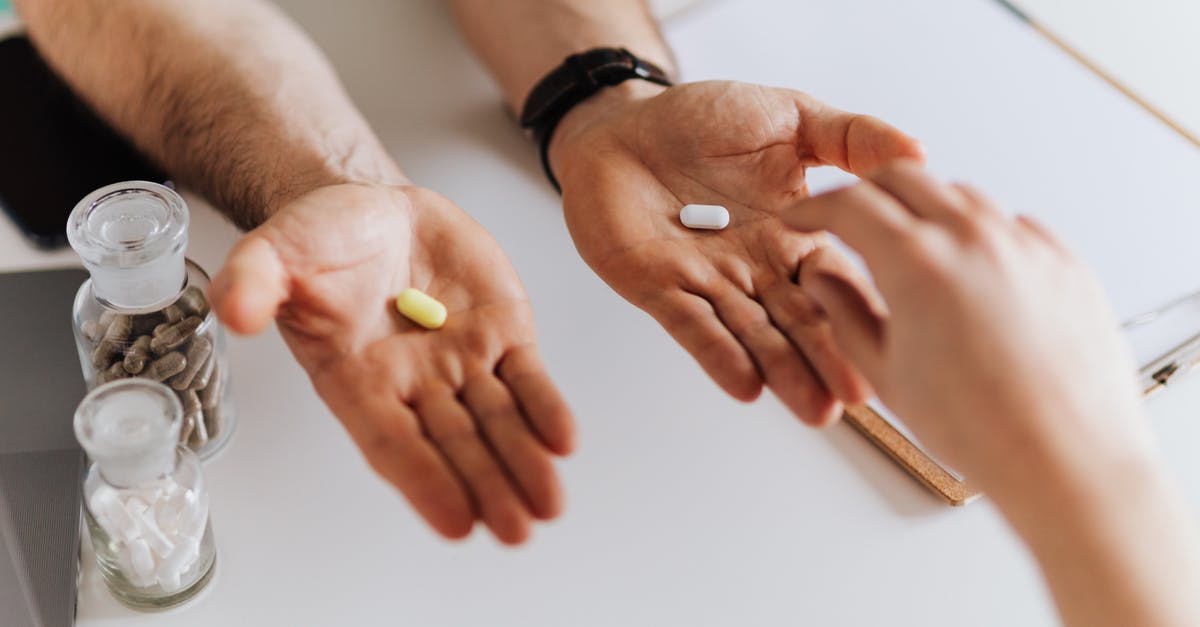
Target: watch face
(10,24)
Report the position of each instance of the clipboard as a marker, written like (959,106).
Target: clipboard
(1165,343)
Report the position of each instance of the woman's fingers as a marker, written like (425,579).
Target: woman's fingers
(855,310)
(923,195)
(869,220)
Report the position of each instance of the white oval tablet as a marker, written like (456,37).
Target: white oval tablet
(704,217)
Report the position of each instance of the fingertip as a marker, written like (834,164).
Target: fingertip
(540,400)
(455,531)
(243,311)
(746,390)
(916,151)
(247,292)
(555,426)
(736,374)
(858,391)
(815,213)
(823,414)
(566,442)
(446,508)
(550,507)
(873,143)
(513,531)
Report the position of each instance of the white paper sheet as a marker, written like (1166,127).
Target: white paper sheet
(996,105)
(1149,46)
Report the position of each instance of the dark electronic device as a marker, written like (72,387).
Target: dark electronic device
(54,150)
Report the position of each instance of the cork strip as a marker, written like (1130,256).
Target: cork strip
(903,451)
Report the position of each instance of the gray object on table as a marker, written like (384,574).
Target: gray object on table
(41,464)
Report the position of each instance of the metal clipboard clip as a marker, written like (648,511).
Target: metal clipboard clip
(1162,361)
(1162,357)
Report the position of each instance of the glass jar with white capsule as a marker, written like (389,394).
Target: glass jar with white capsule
(145,501)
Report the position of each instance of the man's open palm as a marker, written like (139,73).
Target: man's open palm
(730,297)
(463,420)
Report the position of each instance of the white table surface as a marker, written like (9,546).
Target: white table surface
(685,507)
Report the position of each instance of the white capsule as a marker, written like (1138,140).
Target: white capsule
(112,515)
(171,568)
(713,217)
(168,511)
(154,536)
(136,506)
(126,565)
(193,519)
(169,579)
(101,501)
(142,562)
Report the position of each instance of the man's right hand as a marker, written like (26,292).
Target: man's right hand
(463,420)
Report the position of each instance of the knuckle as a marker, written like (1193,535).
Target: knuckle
(448,434)
(750,323)
(925,257)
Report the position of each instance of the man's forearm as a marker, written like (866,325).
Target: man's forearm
(522,40)
(228,95)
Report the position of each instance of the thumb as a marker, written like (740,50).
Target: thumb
(853,142)
(248,290)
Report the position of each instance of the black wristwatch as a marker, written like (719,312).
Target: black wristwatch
(578,78)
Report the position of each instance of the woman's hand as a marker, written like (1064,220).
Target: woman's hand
(997,348)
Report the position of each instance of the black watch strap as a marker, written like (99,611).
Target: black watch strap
(578,78)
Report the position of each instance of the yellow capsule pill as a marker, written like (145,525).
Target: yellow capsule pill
(421,308)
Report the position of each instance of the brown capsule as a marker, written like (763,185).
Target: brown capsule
(192,411)
(106,317)
(210,396)
(113,343)
(114,372)
(165,367)
(213,419)
(92,331)
(158,329)
(173,313)
(197,355)
(205,374)
(137,355)
(144,324)
(175,335)
(185,429)
(193,302)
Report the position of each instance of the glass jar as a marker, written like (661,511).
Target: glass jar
(144,313)
(144,497)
